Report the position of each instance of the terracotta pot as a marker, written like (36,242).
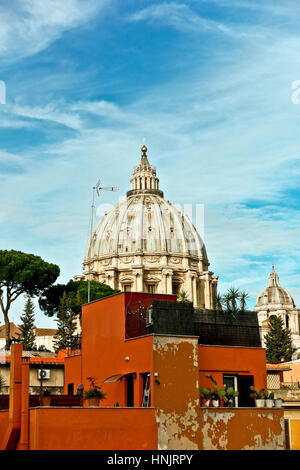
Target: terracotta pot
(46,401)
(206,403)
(260,403)
(93,401)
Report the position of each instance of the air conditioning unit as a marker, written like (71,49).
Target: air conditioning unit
(43,374)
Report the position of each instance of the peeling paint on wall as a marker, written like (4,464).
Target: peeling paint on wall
(177,395)
(243,429)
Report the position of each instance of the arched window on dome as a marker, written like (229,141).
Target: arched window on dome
(287,321)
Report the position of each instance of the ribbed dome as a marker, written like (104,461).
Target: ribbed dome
(274,294)
(145,223)
(146,244)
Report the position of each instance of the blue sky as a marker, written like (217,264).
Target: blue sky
(207,83)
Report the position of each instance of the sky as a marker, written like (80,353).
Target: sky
(212,85)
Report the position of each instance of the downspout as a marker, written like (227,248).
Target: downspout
(24,437)
(12,434)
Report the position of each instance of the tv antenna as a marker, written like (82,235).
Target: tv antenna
(96,188)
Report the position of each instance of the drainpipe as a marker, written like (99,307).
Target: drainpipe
(24,437)
(13,431)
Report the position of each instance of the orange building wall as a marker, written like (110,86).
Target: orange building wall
(217,360)
(104,347)
(73,372)
(92,429)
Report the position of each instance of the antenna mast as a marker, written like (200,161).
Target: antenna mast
(96,188)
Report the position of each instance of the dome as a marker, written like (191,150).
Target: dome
(274,295)
(146,244)
(149,224)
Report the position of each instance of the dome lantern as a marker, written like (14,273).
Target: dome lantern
(144,179)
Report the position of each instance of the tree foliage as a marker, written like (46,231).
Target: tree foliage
(232,301)
(27,336)
(77,293)
(22,273)
(66,326)
(278,341)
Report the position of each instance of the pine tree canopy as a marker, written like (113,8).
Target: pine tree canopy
(76,291)
(278,341)
(66,326)
(27,327)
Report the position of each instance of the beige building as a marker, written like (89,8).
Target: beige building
(44,366)
(146,244)
(275,300)
(44,337)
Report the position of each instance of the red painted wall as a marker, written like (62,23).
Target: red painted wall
(104,347)
(217,360)
(73,372)
(92,429)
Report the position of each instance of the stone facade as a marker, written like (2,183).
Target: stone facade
(146,244)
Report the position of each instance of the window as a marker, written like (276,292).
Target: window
(129,390)
(231,381)
(175,288)
(127,287)
(151,288)
(240,383)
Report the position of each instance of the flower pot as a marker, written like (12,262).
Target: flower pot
(278,403)
(46,401)
(215,403)
(269,403)
(93,401)
(206,403)
(260,403)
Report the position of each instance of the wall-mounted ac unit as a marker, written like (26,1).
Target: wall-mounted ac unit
(44,374)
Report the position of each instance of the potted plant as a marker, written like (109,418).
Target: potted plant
(206,395)
(214,395)
(45,397)
(229,396)
(94,394)
(278,402)
(269,399)
(258,396)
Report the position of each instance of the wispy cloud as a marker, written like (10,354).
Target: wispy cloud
(29,26)
(181,17)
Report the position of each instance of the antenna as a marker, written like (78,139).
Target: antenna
(96,188)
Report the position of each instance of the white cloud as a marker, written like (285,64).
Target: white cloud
(29,26)
(181,17)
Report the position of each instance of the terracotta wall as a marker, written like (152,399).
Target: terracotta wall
(4,419)
(73,372)
(217,360)
(92,429)
(242,429)
(105,352)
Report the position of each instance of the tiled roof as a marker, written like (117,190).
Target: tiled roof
(279,367)
(45,332)
(14,331)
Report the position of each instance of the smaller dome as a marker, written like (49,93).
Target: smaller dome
(274,294)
